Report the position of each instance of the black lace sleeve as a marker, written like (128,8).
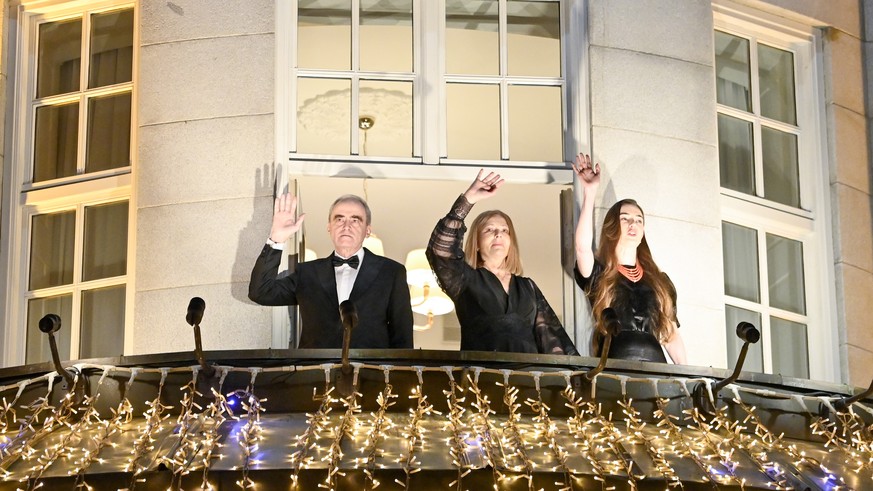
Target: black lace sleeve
(549,333)
(445,251)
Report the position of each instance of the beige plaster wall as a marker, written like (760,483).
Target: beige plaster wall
(204,171)
(653,130)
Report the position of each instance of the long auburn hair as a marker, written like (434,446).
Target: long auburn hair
(604,296)
(471,247)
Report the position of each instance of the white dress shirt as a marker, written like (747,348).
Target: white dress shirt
(346,275)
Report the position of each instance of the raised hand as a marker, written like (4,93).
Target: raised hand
(483,187)
(587,171)
(285,221)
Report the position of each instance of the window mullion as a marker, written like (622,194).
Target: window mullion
(292,82)
(417,103)
(356,81)
(83,90)
(436,74)
(503,46)
(74,323)
(763,274)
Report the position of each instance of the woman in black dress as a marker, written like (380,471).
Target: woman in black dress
(622,275)
(499,309)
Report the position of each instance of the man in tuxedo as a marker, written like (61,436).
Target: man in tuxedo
(376,285)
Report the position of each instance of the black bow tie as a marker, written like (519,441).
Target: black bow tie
(338,261)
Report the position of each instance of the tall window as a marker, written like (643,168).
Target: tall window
(370,77)
(73,165)
(773,241)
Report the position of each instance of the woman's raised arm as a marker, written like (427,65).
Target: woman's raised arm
(588,174)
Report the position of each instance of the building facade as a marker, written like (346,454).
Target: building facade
(143,143)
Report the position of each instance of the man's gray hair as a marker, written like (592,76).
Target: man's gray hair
(353,198)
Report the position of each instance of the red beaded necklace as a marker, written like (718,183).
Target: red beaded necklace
(634,274)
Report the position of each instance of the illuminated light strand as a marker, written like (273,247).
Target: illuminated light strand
(315,423)
(512,444)
(145,442)
(636,432)
(188,446)
(578,426)
(834,437)
(250,434)
(414,432)
(612,437)
(121,415)
(545,427)
(750,444)
(348,421)
(861,439)
(9,409)
(58,417)
(381,424)
(456,427)
(853,436)
(217,413)
(480,423)
(21,445)
(89,417)
(721,447)
(674,433)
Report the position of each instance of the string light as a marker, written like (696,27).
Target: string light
(514,441)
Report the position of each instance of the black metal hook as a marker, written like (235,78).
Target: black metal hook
(196,307)
(750,335)
(50,324)
(582,384)
(843,404)
(345,379)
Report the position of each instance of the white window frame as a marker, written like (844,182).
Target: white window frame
(809,225)
(24,199)
(576,119)
(429,110)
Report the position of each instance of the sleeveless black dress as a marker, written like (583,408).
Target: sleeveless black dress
(636,306)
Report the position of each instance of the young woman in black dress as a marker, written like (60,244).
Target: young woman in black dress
(499,309)
(622,275)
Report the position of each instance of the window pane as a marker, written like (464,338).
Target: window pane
(755,355)
(732,83)
(111,48)
(535,123)
(52,249)
(473,121)
(534,38)
(386,35)
(324,34)
(105,250)
(790,351)
(323,116)
(108,133)
(735,154)
(102,333)
(56,142)
(59,58)
(388,129)
(472,37)
(785,272)
(37,343)
(776,79)
(740,248)
(781,174)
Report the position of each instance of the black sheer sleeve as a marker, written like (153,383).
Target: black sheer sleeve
(549,333)
(445,251)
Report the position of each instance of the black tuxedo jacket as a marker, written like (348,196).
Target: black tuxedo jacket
(380,295)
